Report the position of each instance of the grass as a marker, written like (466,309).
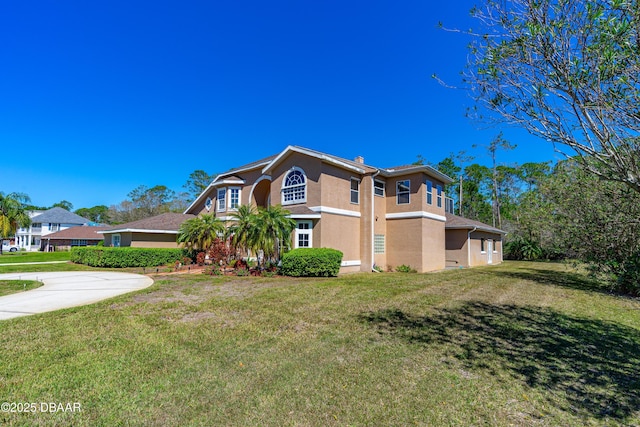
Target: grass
(517,344)
(8,287)
(22,256)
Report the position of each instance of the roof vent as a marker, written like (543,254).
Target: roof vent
(359,159)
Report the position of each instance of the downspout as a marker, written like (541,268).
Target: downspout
(373,222)
(469,246)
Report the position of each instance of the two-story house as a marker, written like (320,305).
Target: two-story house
(375,216)
(33,238)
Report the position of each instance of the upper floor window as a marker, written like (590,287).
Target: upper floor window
(208,204)
(378,188)
(54,227)
(294,188)
(402,191)
(234,198)
(355,190)
(429,193)
(439,195)
(222,199)
(36,226)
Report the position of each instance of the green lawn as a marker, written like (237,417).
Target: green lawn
(19,257)
(518,344)
(14,286)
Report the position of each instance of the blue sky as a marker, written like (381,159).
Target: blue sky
(97,98)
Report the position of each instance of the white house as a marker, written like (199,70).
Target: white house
(53,220)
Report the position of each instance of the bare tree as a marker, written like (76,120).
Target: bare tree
(567,71)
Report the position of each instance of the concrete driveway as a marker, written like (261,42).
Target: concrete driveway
(67,289)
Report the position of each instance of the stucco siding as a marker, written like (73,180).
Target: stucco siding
(339,232)
(151,240)
(456,248)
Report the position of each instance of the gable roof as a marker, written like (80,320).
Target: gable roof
(455,222)
(268,163)
(335,160)
(59,216)
(83,232)
(166,223)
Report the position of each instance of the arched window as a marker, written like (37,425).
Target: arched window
(294,188)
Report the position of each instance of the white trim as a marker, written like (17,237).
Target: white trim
(416,214)
(231,208)
(336,211)
(351,263)
(229,182)
(320,156)
(225,218)
(384,187)
(408,192)
(137,230)
(262,178)
(223,190)
(298,231)
(304,216)
(351,190)
(285,187)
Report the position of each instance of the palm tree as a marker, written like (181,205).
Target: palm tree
(12,214)
(274,228)
(200,232)
(244,230)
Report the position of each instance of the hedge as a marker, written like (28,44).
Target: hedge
(311,262)
(125,257)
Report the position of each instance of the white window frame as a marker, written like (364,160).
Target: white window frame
(357,191)
(483,246)
(429,192)
(116,240)
(408,192)
(208,204)
(377,187)
(295,189)
(495,249)
(439,195)
(232,206)
(221,202)
(303,231)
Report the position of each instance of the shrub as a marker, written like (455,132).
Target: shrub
(405,269)
(213,270)
(311,262)
(125,257)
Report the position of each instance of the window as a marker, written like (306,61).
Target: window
(402,191)
(439,195)
(494,246)
(115,240)
(36,226)
(303,234)
(54,227)
(78,242)
(448,205)
(429,193)
(482,246)
(355,190)
(294,189)
(222,199)
(234,198)
(378,244)
(208,204)
(378,188)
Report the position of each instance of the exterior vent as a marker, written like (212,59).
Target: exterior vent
(359,159)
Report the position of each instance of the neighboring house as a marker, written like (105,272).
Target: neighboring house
(382,216)
(471,243)
(160,231)
(84,235)
(45,223)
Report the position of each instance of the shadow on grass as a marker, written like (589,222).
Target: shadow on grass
(591,367)
(554,277)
